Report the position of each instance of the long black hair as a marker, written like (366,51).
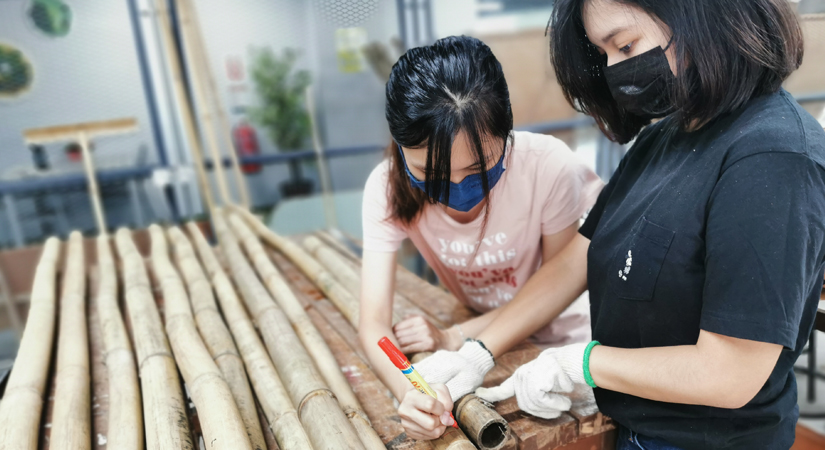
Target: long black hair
(433,93)
(727,52)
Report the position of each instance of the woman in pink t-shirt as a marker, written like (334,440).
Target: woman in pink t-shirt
(509,201)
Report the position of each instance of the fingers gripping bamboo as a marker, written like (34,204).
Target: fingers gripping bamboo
(309,335)
(125,420)
(326,424)
(329,285)
(216,336)
(220,419)
(23,398)
(164,414)
(275,401)
(71,420)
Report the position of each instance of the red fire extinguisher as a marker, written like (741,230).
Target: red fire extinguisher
(246,144)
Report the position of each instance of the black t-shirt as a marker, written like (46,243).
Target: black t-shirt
(720,230)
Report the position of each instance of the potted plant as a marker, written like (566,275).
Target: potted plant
(282,111)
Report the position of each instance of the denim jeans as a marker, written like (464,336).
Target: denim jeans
(630,440)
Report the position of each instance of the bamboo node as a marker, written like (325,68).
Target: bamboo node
(161,353)
(17,389)
(314,393)
(226,353)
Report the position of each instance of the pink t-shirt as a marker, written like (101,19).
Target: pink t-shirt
(544,189)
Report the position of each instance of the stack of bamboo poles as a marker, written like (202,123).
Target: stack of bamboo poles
(272,395)
(220,419)
(164,412)
(216,335)
(483,425)
(326,424)
(308,334)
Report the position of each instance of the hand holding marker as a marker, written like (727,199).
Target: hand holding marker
(408,370)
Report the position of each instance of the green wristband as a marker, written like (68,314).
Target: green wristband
(586,366)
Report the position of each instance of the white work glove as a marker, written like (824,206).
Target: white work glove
(462,371)
(538,385)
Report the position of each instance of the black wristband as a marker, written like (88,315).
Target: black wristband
(482,346)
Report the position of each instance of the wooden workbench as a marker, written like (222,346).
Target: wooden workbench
(583,428)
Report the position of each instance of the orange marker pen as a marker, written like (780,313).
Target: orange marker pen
(408,370)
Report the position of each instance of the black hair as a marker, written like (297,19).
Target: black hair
(727,52)
(433,93)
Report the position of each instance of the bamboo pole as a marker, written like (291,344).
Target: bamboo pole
(173,59)
(329,285)
(71,419)
(91,180)
(23,398)
(326,424)
(344,273)
(323,170)
(219,417)
(216,335)
(309,335)
(213,99)
(198,88)
(345,301)
(275,402)
(125,420)
(479,421)
(164,413)
(452,439)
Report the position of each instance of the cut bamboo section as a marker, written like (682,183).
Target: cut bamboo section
(164,413)
(329,285)
(216,335)
(23,398)
(275,402)
(71,419)
(219,417)
(325,423)
(479,421)
(125,420)
(309,335)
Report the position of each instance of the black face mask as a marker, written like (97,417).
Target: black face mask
(642,84)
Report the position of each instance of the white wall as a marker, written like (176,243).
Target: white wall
(91,74)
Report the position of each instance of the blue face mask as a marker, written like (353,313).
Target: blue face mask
(465,195)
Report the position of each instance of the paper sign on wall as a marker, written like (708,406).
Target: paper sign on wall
(348,45)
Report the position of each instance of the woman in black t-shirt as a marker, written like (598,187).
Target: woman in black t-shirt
(704,255)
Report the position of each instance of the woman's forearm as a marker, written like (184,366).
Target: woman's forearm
(718,371)
(545,295)
(369,335)
(473,327)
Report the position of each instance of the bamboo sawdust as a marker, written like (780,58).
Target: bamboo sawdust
(23,398)
(219,417)
(275,401)
(71,419)
(164,413)
(309,335)
(125,420)
(216,335)
(322,417)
